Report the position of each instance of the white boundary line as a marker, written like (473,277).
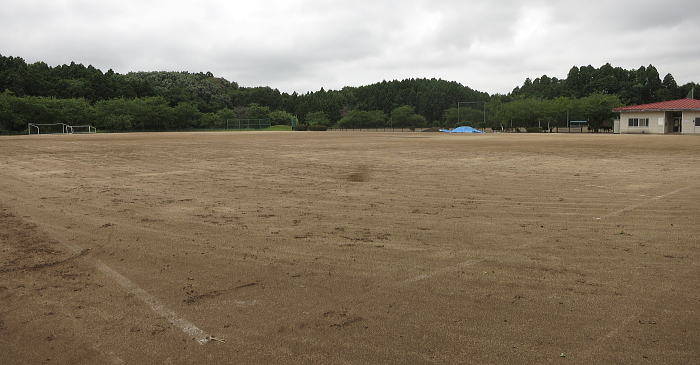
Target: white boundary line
(471,262)
(441,271)
(186,326)
(637,205)
(590,351)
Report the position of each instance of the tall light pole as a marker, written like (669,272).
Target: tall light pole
(471,102)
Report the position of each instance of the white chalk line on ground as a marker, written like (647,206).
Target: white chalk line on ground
(637,205)
(471,262)
(590,351)
(441,271)
(457,266)
(186,326)
(617,329)
(113,358)
(610,334)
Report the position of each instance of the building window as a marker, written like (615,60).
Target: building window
(638,122)
(697,122)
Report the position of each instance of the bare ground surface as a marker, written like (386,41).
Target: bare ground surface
(345,247)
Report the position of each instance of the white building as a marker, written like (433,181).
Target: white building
(674,116)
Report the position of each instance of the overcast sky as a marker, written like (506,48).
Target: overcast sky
(303,45)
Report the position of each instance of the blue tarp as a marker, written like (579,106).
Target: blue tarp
(461,130)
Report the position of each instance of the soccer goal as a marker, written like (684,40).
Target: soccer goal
(59,128)
(578,124)
(248,124)
(81,129)
(47,128)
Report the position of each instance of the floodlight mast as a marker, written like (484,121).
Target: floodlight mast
(471,102)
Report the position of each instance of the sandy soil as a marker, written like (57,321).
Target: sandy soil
(342,247)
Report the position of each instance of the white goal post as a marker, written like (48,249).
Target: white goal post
(80,129)
(59,128)
(47,128)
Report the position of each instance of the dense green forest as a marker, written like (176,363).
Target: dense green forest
(78,94)
(640,86)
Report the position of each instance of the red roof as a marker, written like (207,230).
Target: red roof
(681,104)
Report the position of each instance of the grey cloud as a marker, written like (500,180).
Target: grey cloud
(304,45)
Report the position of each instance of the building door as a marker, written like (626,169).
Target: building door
(676,125)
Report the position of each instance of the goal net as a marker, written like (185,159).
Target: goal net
(59,128)
(580,125)
(47,128)
(248,124)
(81,129)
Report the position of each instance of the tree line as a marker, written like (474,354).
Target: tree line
(640,86)
(77,94)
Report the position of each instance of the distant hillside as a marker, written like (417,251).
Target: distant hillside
(430,97)
(161,100)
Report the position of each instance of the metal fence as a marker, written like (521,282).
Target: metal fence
(485,130)
(579,130)
(387,129)
(248,124)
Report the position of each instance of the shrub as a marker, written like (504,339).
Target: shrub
(363,119)
(317,118)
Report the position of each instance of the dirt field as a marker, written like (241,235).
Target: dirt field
(338,247)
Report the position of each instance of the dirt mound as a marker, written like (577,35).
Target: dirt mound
(360,175)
